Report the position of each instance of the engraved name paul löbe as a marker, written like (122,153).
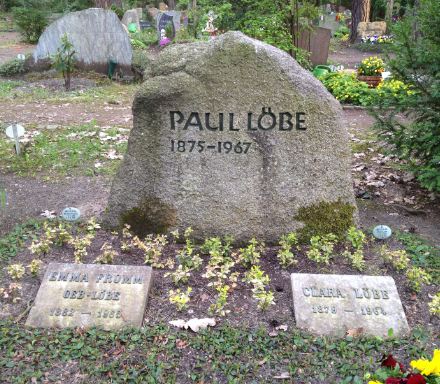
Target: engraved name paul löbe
(79,277)
(265,121)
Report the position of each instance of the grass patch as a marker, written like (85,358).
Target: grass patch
(157,354)
(422,254)
(66,151)
(6,22)
(14,241)
(28,92)
(7,87)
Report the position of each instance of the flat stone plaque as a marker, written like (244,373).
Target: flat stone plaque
(86,295)
(335,304)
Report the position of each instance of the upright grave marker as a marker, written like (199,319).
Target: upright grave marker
(230,137)
(85,295)
(334,304)
(15,131)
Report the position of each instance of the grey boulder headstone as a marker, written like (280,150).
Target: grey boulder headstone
(230,137)
(97,36)
(132,16)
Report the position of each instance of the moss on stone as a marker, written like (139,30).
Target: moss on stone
(151,216)
(325,217)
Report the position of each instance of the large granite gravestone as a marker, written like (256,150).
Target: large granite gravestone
(85,295)
(97,36)
(232,137)
(337,304)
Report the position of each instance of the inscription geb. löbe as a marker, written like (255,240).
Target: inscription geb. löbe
(80,295)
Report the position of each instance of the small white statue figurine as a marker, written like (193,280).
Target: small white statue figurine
(164,40)
(210,28)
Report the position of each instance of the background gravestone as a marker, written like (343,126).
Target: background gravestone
(132,17)
(172,18)
(232,137)
(97,36)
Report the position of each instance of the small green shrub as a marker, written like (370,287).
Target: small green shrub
(398,258)
(180,299)
(346,88)
(16,271)
(321,248)
(434,305)
(356,239)
(143,39)
(418,277)
(12,67)
(250,255)
(31,19)
(285,255)
(64,60)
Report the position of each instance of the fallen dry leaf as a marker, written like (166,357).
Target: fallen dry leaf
(282,375)
(355,332)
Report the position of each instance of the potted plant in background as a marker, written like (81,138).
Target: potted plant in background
(370,71)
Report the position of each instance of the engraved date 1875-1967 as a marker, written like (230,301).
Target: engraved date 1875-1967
(201,146)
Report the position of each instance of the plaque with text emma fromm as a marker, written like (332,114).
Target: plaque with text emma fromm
(85,295)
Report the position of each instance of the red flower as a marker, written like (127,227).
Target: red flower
(391,362)
(416,378)
(395,380)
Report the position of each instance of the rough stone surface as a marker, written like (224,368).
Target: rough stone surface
(96,34)
(375,28)
(86,295)
(337,304)
(132,16)
(257,193)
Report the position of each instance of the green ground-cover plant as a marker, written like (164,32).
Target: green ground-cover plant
(321,248)
(12,67)
(285,254)
(224,354)
(14,241)
(144,39)
(422,254)
(414,59)
(26,92)
(72,150)
(434,305)
(250,255)
(180,298)
(356,240)
(346,88)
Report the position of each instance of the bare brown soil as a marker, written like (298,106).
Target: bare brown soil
(11,46)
